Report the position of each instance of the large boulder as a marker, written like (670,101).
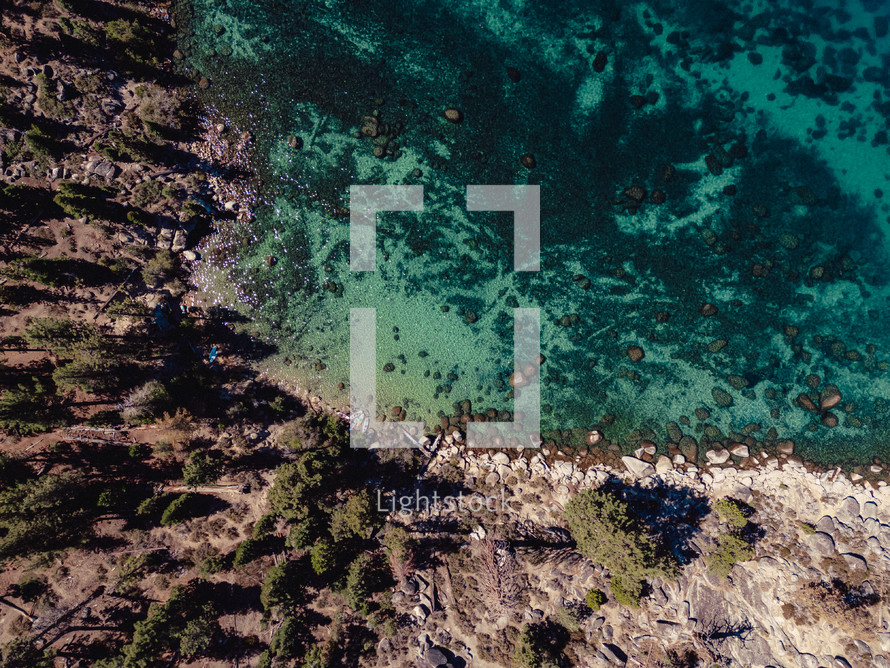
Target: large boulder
(855,562)
(663,465)
(739,450)
(101,168)
(848,510)
(66,92)
(179,241)
(869,510)
(613,654)
(718,456)
(822,544)
(434,658)
(826,525)
(637,467)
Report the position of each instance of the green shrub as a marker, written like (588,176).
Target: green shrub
(52,107)
(106,500)
(731,512)
(247,550)
(92,84)
(147,193)
(134,567)
(173,192)
(139,218)
(626,590)
(192,209)
(153,506)
(529,651)
(212,565)
(569,619)
(127,307)
(807,528)
(44,148)
(133,39)
(162,267)
(179,510)
(139,451)
(595,599)
(164,449)
(85,33)
(265,526)
(323,556)
(731,549)
(202,468)
(123,147)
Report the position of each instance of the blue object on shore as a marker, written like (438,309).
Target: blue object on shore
(213,353)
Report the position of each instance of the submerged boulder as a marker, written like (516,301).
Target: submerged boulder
(453,115)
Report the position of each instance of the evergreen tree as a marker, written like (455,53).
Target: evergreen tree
(30,407)
(45,513)
(359,584)
(22,653)
(608,533)
(202,468)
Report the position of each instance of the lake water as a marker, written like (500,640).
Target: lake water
(714,179)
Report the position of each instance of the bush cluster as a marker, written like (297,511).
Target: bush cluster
(731,549)
(732,512)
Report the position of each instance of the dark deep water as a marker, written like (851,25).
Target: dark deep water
(693,153)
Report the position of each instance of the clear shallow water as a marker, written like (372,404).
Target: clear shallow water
(795,261)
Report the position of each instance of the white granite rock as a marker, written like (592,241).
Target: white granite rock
(637,467)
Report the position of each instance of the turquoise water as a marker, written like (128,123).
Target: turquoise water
(754,136)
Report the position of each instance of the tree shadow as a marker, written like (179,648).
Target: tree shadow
(351,649)
(235,599)
(673,514)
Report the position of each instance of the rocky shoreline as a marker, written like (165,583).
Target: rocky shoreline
(817,526)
